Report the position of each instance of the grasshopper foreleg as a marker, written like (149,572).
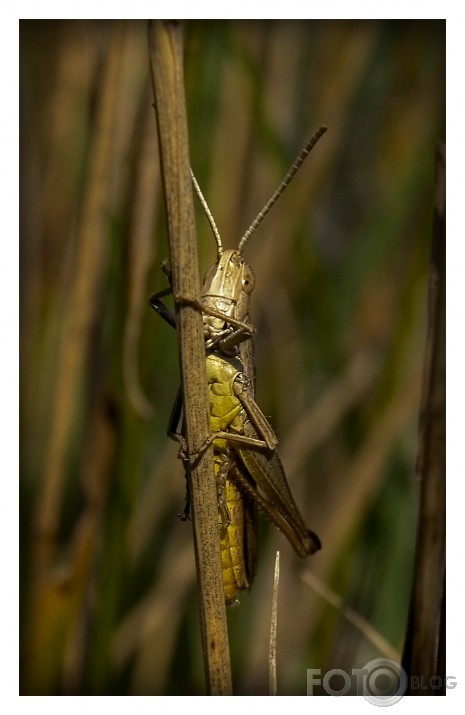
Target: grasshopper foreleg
(159,307)
(225,339)
(185,514)
(230,437)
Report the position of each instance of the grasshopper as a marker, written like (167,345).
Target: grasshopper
(248,469)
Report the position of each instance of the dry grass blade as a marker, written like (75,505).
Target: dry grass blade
(423,653)
(273,680)
(140,258)
(156,619)
(81,305)
(166,57)
(86,283)
(370,633)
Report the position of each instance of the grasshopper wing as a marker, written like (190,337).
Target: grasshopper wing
(272,493)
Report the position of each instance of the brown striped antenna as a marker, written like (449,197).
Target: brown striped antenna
(208,214)
(284,183)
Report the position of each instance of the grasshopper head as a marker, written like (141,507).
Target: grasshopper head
(228,285)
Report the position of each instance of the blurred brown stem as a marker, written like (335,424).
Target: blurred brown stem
(55,594)
(424,653)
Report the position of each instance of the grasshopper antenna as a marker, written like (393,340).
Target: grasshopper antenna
(285,182)
(208,214)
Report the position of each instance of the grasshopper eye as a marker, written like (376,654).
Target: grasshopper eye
(248,279)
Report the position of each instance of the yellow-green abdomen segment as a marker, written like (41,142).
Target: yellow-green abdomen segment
(227,415)
(232,544)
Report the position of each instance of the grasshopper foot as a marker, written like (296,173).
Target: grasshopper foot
(185,514)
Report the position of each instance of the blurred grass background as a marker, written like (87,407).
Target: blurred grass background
(108,596)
